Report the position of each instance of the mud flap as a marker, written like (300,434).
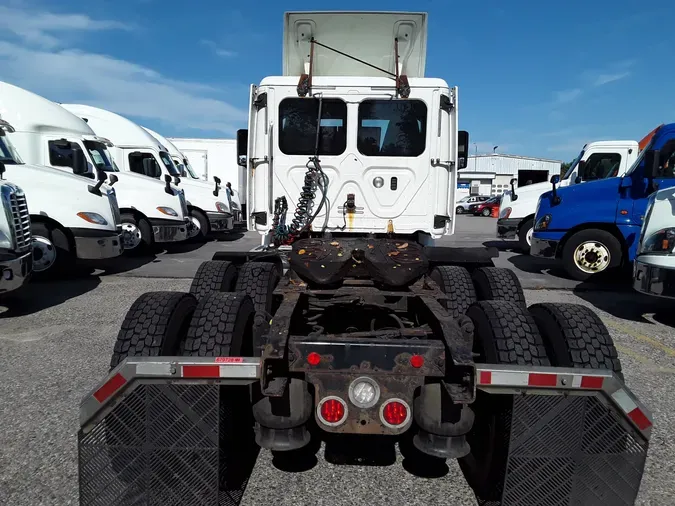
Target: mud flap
(559,450)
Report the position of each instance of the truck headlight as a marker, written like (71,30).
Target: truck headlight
(94,218)
(662,241)
(543,222)
(506,212)
(167,210)
(222,207)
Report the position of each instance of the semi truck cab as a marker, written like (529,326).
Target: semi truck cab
(595,227)
(139,152)
(596,160)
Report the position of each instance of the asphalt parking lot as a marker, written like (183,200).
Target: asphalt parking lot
(56,340)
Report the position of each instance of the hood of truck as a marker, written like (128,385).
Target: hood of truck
(201,195)
(594,201)
(146,194)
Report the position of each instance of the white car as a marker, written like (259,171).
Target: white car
(462,206)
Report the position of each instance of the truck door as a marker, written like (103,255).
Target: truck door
(601,166)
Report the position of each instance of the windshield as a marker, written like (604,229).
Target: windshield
(168,163)
(188,167)
(641,156)
(8,154)
(573,165)
(101,156)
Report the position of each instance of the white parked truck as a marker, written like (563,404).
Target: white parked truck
(136,151)
(597,160)
(215,158)
(49,135)
(347,324)
(186,170)
(654,264)
(70,217)
(16,256)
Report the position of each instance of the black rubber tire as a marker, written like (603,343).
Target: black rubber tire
(504,333)
(147,237)
(154,326)
(213,276)
(486,212)
(496,283)
(221,327)
(459,210)
(575,336)
(65,253)
(456,283)
(522,235)
(204,226)
(258,280)
(601,236)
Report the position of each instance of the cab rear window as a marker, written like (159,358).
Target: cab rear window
(392,127)
(298,118)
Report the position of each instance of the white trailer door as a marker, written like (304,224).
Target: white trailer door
(199,159)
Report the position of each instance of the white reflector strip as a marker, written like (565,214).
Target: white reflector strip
(153,369)
(576,381)
(248,371)
(515,379)
(625,402)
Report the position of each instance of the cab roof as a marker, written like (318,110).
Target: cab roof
(121,131)
(28,112)
(354,81)
(368,36)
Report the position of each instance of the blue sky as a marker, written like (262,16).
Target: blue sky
(535,78)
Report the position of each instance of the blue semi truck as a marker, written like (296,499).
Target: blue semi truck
(595,227)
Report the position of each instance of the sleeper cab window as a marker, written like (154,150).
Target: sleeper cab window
(298,119)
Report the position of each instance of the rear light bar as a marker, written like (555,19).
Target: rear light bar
(497,379)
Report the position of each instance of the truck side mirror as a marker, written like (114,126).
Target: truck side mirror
(555,179)
(513,182)
(2,169)
(167,178)
(79,162)
(242,147)
(217,190)
(151,169)
(462,149)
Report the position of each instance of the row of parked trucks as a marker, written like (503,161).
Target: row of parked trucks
(349,323)
(81,182)
(622,216)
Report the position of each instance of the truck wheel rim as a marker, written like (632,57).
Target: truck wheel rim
(44,254)
(131,236)
(592,257)
(196,227)
(528,236)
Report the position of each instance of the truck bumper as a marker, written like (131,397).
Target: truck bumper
(97,244)
(220,222)
(15,272)
(653,280)
(169,230)
(544,247)
(507,228)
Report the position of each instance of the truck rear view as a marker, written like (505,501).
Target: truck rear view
(348,320)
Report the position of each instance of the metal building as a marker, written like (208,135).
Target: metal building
(491,174)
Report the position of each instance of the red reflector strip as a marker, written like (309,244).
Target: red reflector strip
(593,382)
(110,387)
(542,380)
(201,371)
(485,378)
(640,419)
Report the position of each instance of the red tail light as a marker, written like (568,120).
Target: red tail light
(332,411)
(395,413)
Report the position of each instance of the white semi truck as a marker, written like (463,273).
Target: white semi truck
(136,151)
(211,158)
(187,171)
(16,255)
(345,324)
(69,217)
(49,135)
(654,264)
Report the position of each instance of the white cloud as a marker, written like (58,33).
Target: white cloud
(117,85)
(566,96)
(610,78)
(225,53)
(44,28)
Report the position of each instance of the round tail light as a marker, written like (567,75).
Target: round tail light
(332,410)
(395,413)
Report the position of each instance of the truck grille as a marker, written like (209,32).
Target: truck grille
(21,220)
(114,207)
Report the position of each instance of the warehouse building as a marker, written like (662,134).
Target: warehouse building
(491,174)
